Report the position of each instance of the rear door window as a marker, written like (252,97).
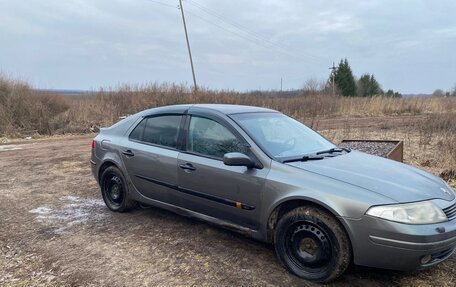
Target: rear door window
(162,130)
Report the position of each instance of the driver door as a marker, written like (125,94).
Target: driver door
(210,187)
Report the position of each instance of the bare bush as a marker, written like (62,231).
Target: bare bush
(313,87)
(25,111)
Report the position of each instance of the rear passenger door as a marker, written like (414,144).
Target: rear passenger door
(150,156)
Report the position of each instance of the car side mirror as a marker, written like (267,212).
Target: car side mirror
(238,159)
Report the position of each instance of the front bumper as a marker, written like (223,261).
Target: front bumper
(391,245)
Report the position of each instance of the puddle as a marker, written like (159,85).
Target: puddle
(74,211)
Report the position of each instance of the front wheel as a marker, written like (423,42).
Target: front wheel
(312,244)
(115,191)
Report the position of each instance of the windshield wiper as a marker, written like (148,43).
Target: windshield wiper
(334,149)
(304,158)
(318,156)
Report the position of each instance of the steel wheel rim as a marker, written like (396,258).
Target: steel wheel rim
(114,189)
(308,247)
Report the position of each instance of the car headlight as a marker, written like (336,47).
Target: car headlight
(423,212)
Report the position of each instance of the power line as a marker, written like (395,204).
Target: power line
(250,32)
(162,3)
(227,30)
(230,22)
(245,37)
(233,23)
(241,31)
(247,34)
(232,32)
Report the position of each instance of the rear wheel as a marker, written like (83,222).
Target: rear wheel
(312,244)
(115,191)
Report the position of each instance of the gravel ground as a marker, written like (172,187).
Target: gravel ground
(375,148)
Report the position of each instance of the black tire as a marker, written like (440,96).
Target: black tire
(115,191)
(312,244)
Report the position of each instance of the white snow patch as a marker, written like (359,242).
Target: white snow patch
(75,211)
(70,198)
(41,210)
(10,147)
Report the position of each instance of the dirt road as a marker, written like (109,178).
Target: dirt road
(56,231)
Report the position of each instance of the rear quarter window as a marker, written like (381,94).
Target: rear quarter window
(137,132)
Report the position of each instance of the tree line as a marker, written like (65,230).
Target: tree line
(366,86)
(442,93)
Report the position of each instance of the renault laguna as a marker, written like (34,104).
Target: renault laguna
(268,176)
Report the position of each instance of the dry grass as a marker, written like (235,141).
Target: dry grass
(105,107)
(23,110)
(439,131)
(395,106)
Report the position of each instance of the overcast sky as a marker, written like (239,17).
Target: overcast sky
(410,46)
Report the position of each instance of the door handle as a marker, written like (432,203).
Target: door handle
(187,166)
(128,152)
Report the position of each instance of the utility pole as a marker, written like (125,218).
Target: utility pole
(332,76)
(281,84)
(195,87)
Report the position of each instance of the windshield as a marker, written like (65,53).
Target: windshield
(281,136)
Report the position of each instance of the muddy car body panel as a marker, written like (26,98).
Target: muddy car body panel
(182,178)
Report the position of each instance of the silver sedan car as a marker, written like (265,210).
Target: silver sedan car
(259,172)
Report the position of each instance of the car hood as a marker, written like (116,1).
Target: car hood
(398,181)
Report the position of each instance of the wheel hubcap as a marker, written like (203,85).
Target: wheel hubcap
(115,192)
(308,247)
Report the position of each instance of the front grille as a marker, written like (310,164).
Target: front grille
(450,212)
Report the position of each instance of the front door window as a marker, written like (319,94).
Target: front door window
(209,138)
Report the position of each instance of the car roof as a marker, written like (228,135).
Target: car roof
(232,109)
(219,108)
